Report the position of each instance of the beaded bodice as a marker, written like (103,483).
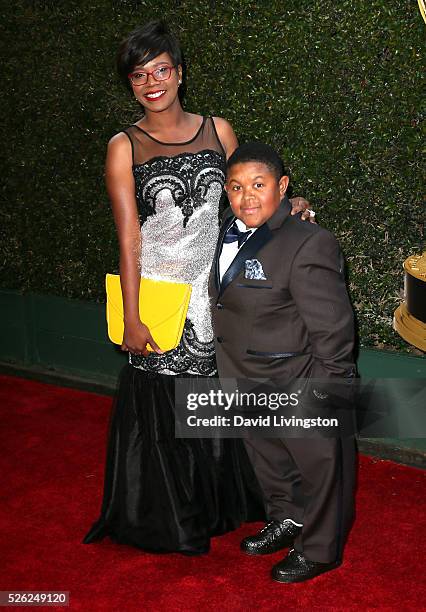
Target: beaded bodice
(179,187)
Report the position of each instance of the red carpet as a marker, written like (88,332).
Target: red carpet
(52,451)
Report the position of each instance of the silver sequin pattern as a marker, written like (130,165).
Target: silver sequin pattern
(178,200)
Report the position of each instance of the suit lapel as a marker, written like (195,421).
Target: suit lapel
(225,226)
(247,251)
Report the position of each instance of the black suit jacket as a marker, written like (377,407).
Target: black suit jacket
(298,321)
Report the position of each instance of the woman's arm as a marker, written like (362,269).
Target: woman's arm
(121,190)
(226,135)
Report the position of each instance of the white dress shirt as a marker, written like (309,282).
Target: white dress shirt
(230,249)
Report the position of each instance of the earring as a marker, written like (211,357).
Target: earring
(180,82)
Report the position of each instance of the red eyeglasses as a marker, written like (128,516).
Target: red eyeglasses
(162,73)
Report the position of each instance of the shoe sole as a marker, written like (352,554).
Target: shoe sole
(292,579)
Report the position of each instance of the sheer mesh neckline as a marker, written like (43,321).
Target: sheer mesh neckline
(173,144)
(146,147)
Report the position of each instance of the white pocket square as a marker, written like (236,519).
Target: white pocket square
(254,270)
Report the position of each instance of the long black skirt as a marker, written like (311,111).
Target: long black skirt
(164,494)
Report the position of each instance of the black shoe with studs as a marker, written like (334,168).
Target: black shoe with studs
(275,536)
(296,568)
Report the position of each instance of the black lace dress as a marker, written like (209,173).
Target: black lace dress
(164,494)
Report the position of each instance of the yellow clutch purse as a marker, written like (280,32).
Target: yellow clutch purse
(162,307)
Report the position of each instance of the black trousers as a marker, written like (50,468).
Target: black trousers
(310,480)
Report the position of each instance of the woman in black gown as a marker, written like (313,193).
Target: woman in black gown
(165,176)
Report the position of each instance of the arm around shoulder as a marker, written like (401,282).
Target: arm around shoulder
(226,135)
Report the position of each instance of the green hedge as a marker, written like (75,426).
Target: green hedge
(335,86)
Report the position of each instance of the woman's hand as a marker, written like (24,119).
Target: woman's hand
(136,337)
(301,205)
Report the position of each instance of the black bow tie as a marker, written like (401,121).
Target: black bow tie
(233,234)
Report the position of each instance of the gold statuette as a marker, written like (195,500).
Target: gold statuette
(410,317)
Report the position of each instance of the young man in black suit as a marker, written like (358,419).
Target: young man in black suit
(281,311)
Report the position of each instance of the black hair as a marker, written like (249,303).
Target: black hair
(258,152)
(144,44)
